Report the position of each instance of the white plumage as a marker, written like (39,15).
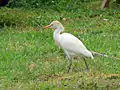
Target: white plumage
(71,45)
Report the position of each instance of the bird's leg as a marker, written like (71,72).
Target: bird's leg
(70,61)
(86,65)
(69,66)
(64,55)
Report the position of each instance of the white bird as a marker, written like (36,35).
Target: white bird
(70,44)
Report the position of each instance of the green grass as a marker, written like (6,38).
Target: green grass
(24,42)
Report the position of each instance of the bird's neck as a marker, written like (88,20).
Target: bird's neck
(57,33)
(58,30)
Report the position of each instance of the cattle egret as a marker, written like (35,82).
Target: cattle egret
(71,45)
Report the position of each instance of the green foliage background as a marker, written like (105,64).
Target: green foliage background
(54,4)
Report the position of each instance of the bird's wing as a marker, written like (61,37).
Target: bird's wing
(72,44)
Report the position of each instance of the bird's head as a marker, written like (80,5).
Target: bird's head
(55,25)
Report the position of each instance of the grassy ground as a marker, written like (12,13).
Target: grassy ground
(30,60)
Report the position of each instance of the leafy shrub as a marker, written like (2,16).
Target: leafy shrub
(54,4)
(13,17)
(118,1)
(23,17)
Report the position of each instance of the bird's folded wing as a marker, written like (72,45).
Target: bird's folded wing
(71,43)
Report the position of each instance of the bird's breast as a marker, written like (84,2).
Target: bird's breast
(58,43)
(57,39)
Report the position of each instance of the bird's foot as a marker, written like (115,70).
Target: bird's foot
(68,69)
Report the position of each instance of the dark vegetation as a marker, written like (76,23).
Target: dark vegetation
(54,4)
(3,2)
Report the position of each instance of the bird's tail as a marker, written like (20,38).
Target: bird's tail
(104,55)
(88,54)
